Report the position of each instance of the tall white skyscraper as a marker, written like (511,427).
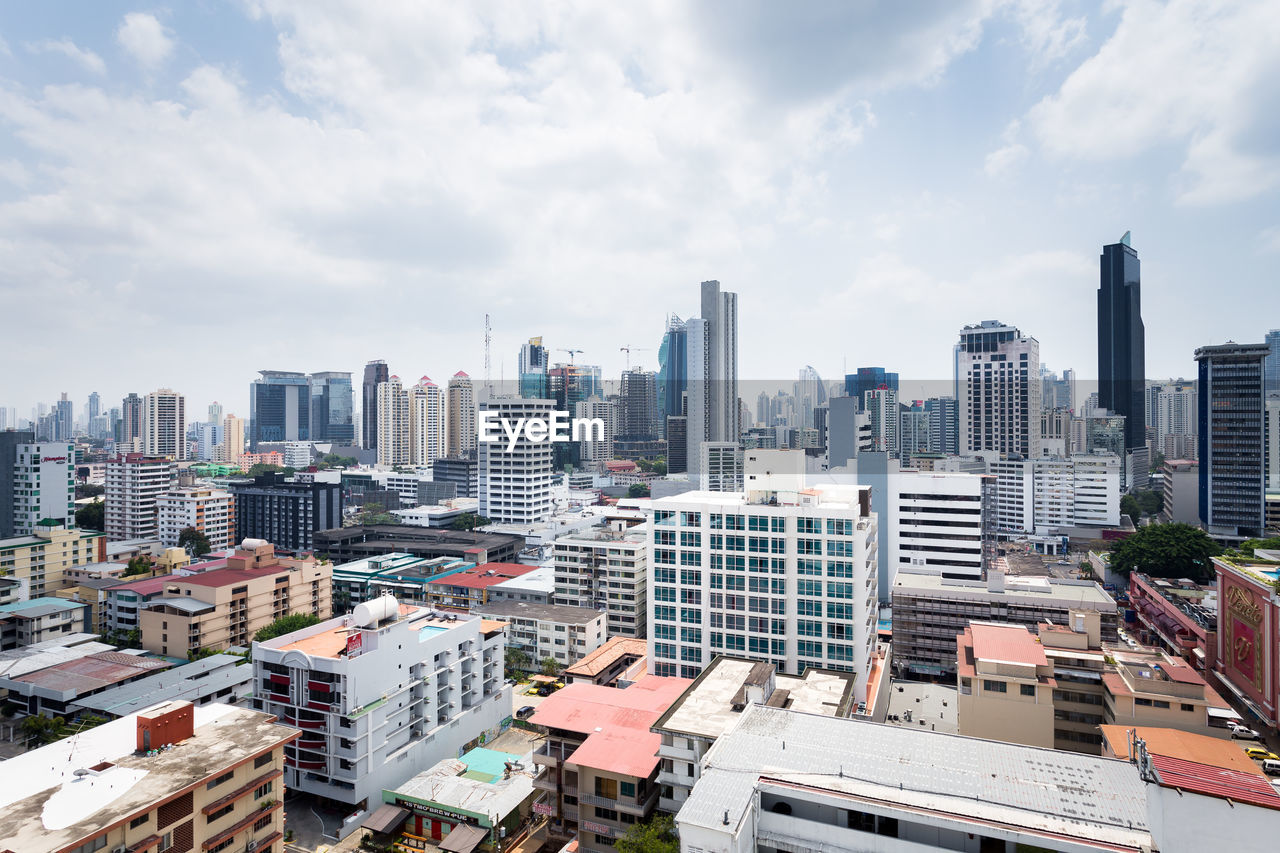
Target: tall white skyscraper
(164,424)
(393,423)
(426,422)
(461,437)
(215,412)
(712,372)
(515,484)
(998,376)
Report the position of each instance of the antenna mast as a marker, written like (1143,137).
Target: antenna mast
(488,379)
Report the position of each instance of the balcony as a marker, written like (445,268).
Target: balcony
(551,755)
(545,782)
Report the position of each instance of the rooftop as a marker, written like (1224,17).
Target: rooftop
(1202,749)
(37,656)
(607,655)
(48,807)
(1048,589)
(329,638)
(484,575)
(564,613)
(474,783)
(190,681)
(1230,785)
(1006,644)
(92,672)
(34,608)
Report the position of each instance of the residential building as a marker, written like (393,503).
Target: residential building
(332,409)
(92,593)
(1122,378)
(462,471)
(345,544)
(131,423)
(599,764)
(126,601)
(37,620)
(999,388)
(1173,411)
(913,429)
(210,511)
(619,662)
(1048,495)
(41,485)
(712,373)
(380,693)
(929,611)
(468,587)
(516,479)
(135,482)
(537,586)
(402,575)
(714,703)
(426,423)
(225,606)
(375,373)
(393,423)
(865,379)
(205,778)
(279,408)
(557,632)
(1180,484)
(881,406)
(532,370)
(164,424)
(460,440)
(595,450)
(944,425)
(1248,654)
(606,569)
(286,514)
(1231,454)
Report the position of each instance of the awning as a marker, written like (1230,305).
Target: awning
(464,838)
(1223,713)
(387,818)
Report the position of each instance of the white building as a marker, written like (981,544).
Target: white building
(516,483)
(605,568)
(1271,415)
(560,632)
(1172,410)
(426,423)
(211,511)
(721,467)
(1047,495)
(380,694)
(595,452)
(775,573)
(164,424)
(44,477)
(461,405)
(999,389)
(712,369)
(393,423)
(297,454)
(210,438)
(881,406)
(936,521)
(134,485)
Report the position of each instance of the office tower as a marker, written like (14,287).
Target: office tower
(1058,392)
(1104,433)
(209,438)
(95,406)
(938,521)
(673,368)
(1121,344)
(288,515)
(130,419)
(332,401)
(721,468)
(426,422)
(944,425)
(712,372)
(865,379)
(461,472)
(64,425)
(1232,448)
(393,423)
(515,484)
(279,408)
(999,378)
(1272,368)
(1271,430)
(135,483)
(809,392)
(677,444)
(594,452)
(638,412)
(164,424)
(375,373)
(461,413)
(881,406)
(913,429)
(570,384)
(532,368)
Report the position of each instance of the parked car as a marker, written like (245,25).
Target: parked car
(1257,753)
(1244,733)
(1271,768)
(525,712)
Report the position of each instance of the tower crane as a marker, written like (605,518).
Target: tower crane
(571,353)
(628,349)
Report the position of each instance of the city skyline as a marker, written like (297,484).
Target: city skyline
(335,200)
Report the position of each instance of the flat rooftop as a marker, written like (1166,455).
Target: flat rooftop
(191,681)
(1047,589)
(483,576)
(564,613)
(34,608)
(1055,793)
(1006,644)
(473,783)
(329,638)
(47,807)
(707,708)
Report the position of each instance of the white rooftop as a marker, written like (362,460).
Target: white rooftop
(445,784)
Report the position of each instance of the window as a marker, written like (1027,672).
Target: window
(222,845)
(220,813)
(225,777)
(262,791)
(994,686)
(1187,707)
(166,841)
(628,790)
(262,823)
(262,761)
(1028,689)
(607,788)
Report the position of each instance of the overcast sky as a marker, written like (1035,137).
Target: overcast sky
(191,193)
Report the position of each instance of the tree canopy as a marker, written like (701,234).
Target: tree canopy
(139,565)
(654,836)
(195,540)
(286,625)
(550,666)
(91,516)
(637,490)
(1166,551)
(374,513)
(469,521)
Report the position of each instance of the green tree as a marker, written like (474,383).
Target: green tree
(1248,546)
(197,654)
(654,836)
(91,516)
(549,666)
(637,490)
(516,662)
(286,625)
(1157,462)
(1129,506)
(89,490)
(39,729)
(198,542)
(1166,551)
(660,466)
(469,521)
(139,565)
(374,513)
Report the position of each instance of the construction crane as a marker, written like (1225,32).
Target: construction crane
(627,349)
(571,353)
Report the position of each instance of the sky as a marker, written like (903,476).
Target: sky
(194,192)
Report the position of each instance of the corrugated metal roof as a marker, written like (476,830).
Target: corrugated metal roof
(1219,782)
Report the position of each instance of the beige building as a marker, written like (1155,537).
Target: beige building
(211,511)
(1006,685)
(134,483)
(177,777)
(232,447)
(225,606)
(460,437)
(34,566)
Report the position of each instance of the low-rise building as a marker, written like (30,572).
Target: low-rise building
(381,693)
(468,588)
(171,777)
(537,586)
(1179,616)
(55,688)
(347,544)
(620,662)
(92,593)
(34,565)
(1181,485)
(1248,662)
(402,575)
(216,678)
(556,631)
(606,568)
(37,620)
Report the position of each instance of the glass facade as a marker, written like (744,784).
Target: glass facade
(279,408)
(1121,341)
(332,408)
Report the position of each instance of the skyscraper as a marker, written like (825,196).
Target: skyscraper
(1231,420)
(130,419)
(375,373)
(460,439)
(393,423)
(232,439)
(1122,373)
(944,425)
(1273,362)
(881,406)
(570,384)
(331,408)
(95,406)
(638,416)
(164,425)
(673,369)
(426,422)
(279,408)
(515,483)
(532,368)
(64,425)
(998,373)
(865,379)
(810,393)
(712,349)
(215,413)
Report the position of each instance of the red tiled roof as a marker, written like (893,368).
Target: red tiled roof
(1009,643)
(607,655)
(479,577)
(93,672)
(1215,781)
(147,586)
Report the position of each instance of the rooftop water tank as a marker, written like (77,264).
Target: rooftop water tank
(367,614)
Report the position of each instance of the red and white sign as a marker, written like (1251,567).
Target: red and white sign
(354,644)
(598,828)
(544,808)
(53,459)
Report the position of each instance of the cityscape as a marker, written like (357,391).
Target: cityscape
(467,537)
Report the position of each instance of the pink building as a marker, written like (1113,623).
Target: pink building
(1249,638)
(1179,616)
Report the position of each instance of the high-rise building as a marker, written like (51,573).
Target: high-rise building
(460,408)
(721,468)
(210,511)
(604,569)
(232,439)
(130,420)
(810,393)
(279,408)
(1172,411)
(1122,375)
(593,451)
(515,483)
(673,369)
(570,384)
(677,444)
(393,423)
(375,373)
(865,379)
(332,418)
(286,514)
(638,412)
(913,429)
(64,420)
(1058,392)
(712,350)
(39,483)
(532,368)
(164,424)
(998,372)
(426,423)
(944,425)
(1271,431)
(215,412)
(95,406)
(10,442)
(135,483)
(881,406)
(1232,447)
(1272,362)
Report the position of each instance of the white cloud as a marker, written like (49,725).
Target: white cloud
(86,59)
(1047,35)
(145,39)
(1195,74)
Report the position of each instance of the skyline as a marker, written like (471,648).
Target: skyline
(867,180)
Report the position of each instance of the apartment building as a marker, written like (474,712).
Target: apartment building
(286,514)
(619,662)
(34,565)
(174,777)
(1047,495)
(467,588)
(402,575)
(941,521)
(556,631)
(516,479)
(998,389)
(210,511)
(135,483)
(380,694)
(37,620)
(227,604)
(605,568)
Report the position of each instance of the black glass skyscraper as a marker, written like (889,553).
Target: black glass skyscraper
(375,372)
(1122,373)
